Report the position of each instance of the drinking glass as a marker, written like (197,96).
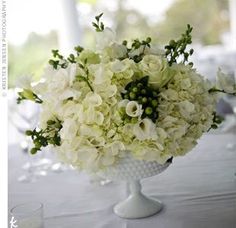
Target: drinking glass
(28,215)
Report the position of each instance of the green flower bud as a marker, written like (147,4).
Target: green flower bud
(148,40)
(28,94)
(34,150)
(28,132)
(124,42)
(172,43)
(51,122)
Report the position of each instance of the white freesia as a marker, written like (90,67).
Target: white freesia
(145,129)
(92,99)
(102,74)
(133,109)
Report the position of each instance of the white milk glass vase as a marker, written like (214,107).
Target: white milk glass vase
(131,170)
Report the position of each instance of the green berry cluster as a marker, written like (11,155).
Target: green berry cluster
(217,120)
(99,26)
(136,45)
(140,91)
(60,61)
(42,138)
(176,49)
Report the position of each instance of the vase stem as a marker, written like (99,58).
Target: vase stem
(135,187)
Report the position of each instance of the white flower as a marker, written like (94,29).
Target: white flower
(186,108)
(92,99)
(61,79)
(225,82)
(102,74)
(116,51)
(133,109)
(69,129)
(111,151)
(156,67)
(145,129)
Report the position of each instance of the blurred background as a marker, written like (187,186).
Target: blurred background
(37,26)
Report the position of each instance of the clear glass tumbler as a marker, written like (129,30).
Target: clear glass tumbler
(28,215)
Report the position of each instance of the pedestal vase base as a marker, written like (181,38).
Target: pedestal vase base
(137,205)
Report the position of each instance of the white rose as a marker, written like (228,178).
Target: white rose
(157,69)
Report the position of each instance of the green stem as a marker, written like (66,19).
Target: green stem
(214,90)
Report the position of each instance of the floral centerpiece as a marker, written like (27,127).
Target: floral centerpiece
(97,105)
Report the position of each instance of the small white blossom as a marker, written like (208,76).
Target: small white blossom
(133,109)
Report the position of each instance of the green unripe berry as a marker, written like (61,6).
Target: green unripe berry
(135,89)
(143,91)
(148,110)
(126,120)
(144,100)
(126,96)
(155,94)
(134,120)
(139,85)
(122,111)
(132,95)
(154,103)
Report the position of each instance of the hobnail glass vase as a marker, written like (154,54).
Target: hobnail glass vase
(137,205)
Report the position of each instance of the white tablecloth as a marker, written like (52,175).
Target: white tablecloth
(198,191)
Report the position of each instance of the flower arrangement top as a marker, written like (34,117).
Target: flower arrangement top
(97,105)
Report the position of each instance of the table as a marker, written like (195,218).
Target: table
(198,191)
